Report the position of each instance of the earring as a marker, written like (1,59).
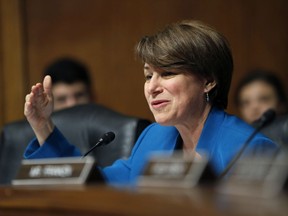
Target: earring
(207,97)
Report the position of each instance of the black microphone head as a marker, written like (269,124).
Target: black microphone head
(104,140)
(107,137)
(267,117)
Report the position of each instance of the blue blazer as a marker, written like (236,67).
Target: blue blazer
(221,138)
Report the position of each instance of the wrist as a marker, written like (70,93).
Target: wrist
(43,132)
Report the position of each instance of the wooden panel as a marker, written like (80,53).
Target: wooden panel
(1,74)
(12,66)
(102,33)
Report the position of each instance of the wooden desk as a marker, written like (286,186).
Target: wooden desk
(108,201)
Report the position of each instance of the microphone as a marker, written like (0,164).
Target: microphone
(104,140)
(266,118)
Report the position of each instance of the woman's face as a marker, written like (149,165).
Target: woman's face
(255,98)
(173,97)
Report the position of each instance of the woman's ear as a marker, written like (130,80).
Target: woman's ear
(210,85)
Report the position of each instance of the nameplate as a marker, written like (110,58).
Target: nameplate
(175,171)
(58,171)
(258,176)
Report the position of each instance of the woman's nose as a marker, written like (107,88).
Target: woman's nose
(154,85)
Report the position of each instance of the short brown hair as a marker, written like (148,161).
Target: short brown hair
(194,47)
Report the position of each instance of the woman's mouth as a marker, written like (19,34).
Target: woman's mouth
(159,103)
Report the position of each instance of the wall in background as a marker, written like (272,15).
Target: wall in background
(102,34)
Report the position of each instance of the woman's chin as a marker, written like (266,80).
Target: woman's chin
(163,121)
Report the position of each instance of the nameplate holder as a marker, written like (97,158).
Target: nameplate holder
(176,171)
(58,171)
(259,176)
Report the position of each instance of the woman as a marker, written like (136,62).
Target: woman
(188,69)
(259,91)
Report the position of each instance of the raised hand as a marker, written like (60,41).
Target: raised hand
(38,109)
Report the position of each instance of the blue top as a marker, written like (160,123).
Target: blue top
(221,138)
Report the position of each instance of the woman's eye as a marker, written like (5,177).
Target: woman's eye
(148,77)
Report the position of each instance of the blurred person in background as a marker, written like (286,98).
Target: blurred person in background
(71,84)
(259,91)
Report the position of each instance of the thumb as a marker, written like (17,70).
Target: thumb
(47,85)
